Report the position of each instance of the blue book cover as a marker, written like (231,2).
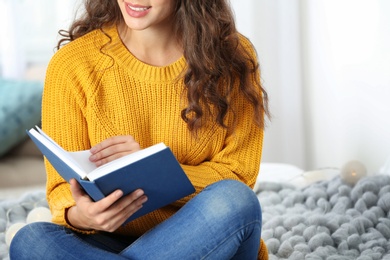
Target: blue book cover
(155,170)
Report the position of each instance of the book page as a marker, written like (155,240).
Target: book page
(57,150)
(82,158)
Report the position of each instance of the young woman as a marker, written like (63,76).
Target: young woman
(132,73)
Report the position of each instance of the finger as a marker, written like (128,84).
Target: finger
(113,152)
(137,204)
(118,212)
(110,142)
(127,206)
(108,201)
(121,146)
(123,215)
(129,203)
(99,162)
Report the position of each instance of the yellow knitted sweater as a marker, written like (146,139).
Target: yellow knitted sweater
(95,89)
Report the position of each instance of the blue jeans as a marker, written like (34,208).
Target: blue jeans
(221,222)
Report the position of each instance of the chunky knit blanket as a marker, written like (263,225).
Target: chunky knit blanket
(327,220)
(16,211)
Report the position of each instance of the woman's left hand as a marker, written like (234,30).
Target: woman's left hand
(113,148)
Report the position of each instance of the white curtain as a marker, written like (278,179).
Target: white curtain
(325,64)
(347,81)
(273,26)
(29,33)
(12,58)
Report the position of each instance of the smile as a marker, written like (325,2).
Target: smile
(138,9)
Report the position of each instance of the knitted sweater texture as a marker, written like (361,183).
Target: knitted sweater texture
(95,89)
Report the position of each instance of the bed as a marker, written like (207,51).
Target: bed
(306,215)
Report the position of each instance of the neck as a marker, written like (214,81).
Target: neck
(157,47)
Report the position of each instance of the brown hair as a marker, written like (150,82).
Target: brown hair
(216,60)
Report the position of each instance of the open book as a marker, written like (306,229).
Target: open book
(155,170)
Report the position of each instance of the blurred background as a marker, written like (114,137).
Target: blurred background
(324,63)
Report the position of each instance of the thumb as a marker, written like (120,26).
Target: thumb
(76,189)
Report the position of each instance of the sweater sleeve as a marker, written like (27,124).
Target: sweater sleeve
(63,120)
(239,159)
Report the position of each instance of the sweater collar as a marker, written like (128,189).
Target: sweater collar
(139,69)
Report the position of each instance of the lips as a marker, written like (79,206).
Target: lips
(137,11)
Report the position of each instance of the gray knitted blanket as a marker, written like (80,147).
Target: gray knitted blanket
(327,220)
(16,210)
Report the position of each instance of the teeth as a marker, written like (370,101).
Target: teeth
(138,9)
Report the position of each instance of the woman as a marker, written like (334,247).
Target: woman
(135,73)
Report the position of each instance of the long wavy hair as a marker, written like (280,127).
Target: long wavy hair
(216,60)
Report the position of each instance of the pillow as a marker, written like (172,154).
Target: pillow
(20,109)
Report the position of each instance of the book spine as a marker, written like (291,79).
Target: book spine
(92,190)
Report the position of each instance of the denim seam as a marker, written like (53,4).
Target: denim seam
(74,234)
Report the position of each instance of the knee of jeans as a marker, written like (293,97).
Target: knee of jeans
(235,197)
(26,238)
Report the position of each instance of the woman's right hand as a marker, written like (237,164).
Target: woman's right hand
(108,214)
